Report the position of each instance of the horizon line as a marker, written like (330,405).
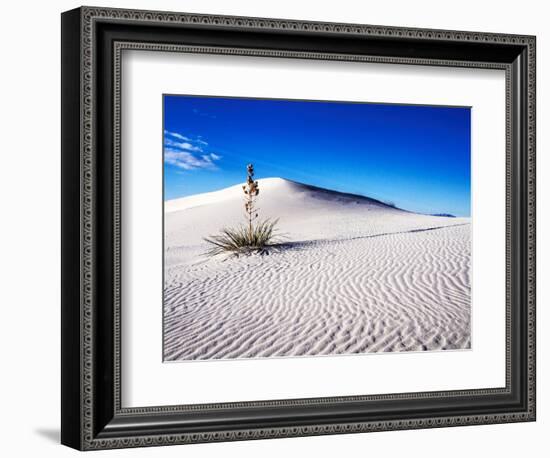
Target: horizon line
(388,203)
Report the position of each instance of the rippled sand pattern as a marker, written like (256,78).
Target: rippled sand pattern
(367,289)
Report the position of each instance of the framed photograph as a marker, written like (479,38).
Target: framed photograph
(276,228)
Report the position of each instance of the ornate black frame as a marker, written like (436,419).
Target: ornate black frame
(92,42)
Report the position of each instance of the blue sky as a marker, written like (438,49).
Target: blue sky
(417,157)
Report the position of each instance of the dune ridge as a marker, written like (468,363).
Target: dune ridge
(354,275)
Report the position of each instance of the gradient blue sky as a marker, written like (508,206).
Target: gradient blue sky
(417,157)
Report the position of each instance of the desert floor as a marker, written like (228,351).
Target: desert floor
(353,276)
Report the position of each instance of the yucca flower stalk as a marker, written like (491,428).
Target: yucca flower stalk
(251,190)
(254,236)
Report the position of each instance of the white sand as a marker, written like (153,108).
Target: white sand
(357,276)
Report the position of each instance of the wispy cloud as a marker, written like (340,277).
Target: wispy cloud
(203,113)
(187,161)
(182,145)
(187,153)
(175,135)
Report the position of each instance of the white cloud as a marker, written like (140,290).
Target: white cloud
(182,145)
(188,161)
(176,135)
(181,153)
(203,113)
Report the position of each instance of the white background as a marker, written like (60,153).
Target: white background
(29,241)
(147,75)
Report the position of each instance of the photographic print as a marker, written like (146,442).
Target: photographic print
(308,228)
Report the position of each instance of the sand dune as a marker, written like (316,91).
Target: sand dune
(354,276)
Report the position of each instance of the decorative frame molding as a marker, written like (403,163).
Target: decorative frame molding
(97,408)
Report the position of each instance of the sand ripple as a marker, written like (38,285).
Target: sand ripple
(374,290)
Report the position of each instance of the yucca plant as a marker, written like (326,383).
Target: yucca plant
(243,239)
(254,236)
